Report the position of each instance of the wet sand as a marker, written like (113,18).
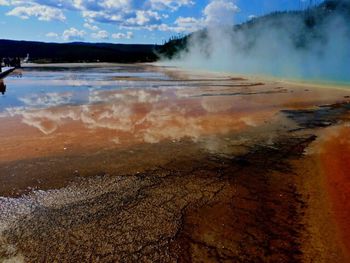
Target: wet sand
(158,164)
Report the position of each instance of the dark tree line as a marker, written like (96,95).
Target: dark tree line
(78,52)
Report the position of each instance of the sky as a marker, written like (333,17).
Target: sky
(124,21)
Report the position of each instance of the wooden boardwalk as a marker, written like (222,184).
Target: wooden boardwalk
(5,71)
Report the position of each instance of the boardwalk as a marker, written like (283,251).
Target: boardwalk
(5,71)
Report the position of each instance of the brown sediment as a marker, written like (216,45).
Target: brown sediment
(320,241)
(255,217)
(334,160)
(204,207)
(325,182)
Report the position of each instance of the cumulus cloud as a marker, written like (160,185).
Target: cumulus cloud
(170,4)
(73,34)
(103,17)
(220,12)
(126,14)
(188,24)
(143,18)
(217,12)
(127,35)
(102,34)
(152,15)
(91,26)
(43,13)
(4,2)
(52,34)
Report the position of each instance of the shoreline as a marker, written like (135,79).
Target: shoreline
(259,77)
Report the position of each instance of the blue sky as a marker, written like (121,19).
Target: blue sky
(123,21)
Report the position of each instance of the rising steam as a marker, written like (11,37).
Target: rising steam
(311,44)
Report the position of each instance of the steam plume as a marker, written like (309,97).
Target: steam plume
(310,44)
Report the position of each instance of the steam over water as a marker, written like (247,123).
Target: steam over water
(312,44)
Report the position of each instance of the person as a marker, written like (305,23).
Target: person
(7,62)
(18,62)
(2,87)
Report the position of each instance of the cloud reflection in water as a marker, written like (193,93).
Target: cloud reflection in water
(135,115)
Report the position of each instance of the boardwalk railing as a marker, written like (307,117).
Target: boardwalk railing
(5,71)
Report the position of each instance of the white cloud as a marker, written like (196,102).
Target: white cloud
(73,34)
(91,27)
(127,35)
(102,34)
(220,12)
(217,12)
(43,13)
(190,24)
(103,17)
(143,18)
(181,25)
(125,14)
(116,4)
(169,4)
(4,2)
(52,34)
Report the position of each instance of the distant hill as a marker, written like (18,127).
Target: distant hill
(77,52)
(304,28)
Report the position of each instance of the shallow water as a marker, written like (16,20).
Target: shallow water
(85,107)
(41,87)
